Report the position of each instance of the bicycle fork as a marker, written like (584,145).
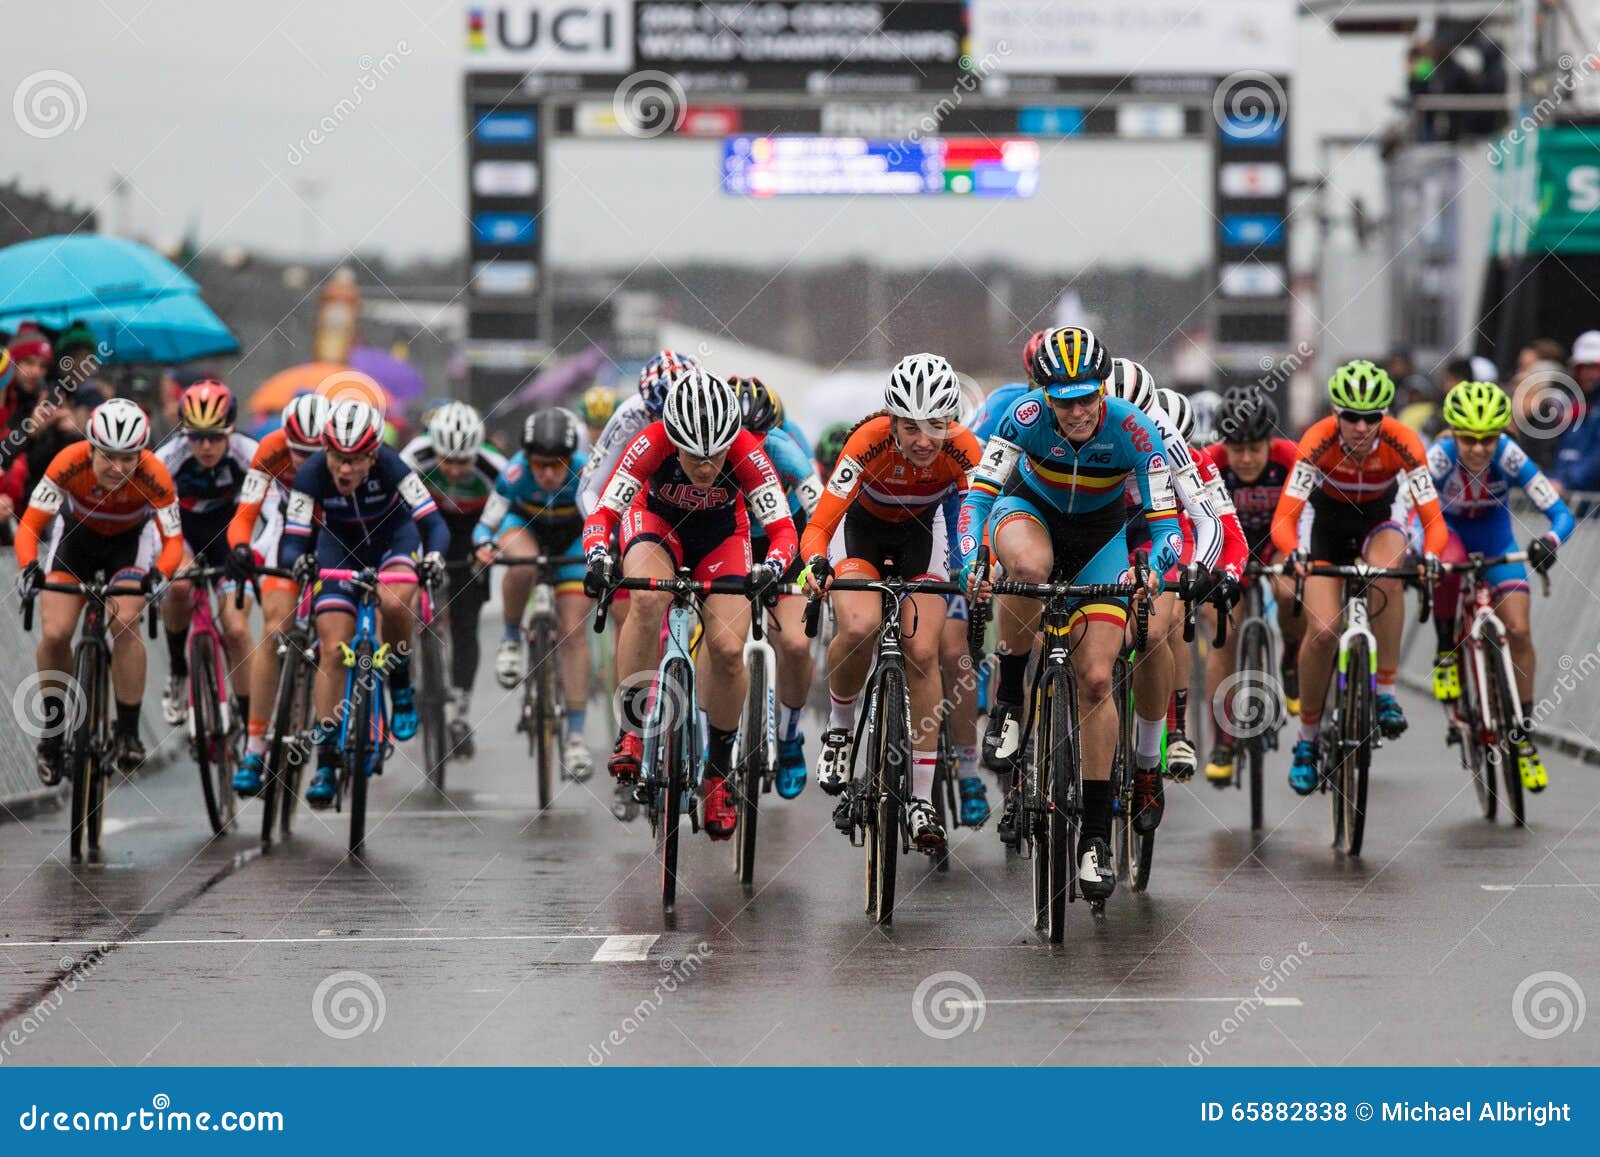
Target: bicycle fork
(1358,626)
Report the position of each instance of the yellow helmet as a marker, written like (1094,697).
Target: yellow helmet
(597,405)
(1477,408)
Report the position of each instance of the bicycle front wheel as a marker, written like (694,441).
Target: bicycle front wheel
(81,754)
(205,718)
(1358,721)
(893,757)
(1260,691)
(753,771)
(431,696)
(1471,729)
(541,708)
(364,687)
(1505,724)
(674,739)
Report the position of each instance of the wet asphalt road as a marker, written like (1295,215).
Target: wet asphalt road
(478,931)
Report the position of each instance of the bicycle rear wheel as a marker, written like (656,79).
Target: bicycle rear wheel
(1059,763)
(1357,717)
(280,745)
(674,739)
(431,696)
(1505,725)
(304,750)
(358,742)
(894,757)
(752,771)
(945,804)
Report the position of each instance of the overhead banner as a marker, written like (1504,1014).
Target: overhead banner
(1569,190)
(1134,37)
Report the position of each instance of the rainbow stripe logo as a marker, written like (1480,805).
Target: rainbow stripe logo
(476,40)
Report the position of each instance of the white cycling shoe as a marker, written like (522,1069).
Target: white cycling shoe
(508,666)
(833,765)
(576,760)
(927,833)
(175,701)
(1180,758)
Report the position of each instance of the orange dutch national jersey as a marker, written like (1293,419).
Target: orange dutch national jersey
(69,489)
(1324,463)
(272,463)
(873,473)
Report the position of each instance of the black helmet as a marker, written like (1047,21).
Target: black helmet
(1246,415)
(758,410)
(550,434)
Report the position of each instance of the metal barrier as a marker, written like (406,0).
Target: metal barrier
(20,790)
(1566,635)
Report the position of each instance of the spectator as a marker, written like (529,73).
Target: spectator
(1541,401)
(1541,349)
(1418,399)
(1578,456)
(55,426)
(30,355)
(78,355)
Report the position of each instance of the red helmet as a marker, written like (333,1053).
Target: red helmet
(1030,349)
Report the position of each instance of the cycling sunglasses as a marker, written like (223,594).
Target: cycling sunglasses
(1356,417)
(205,436)
(1465,439)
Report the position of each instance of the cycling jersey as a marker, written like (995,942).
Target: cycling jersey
(459,502)
(796,471)
(1057,480)
(208,496)
(994,407)
(518,500)
(1255,502)
(1357,492)
(624,425)
(89,511)
(650,487)
(271,470)
(1478,502)
(391,502)
(1212,537)
(792,428)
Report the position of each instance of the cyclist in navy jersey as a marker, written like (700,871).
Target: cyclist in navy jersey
(208,462)
(376,513)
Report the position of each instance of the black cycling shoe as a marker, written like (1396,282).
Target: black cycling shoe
(48,760)
(1149,800)
(1009,829)
(1002,740)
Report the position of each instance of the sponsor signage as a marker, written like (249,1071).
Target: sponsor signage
(504,278)
(504,355)
(855,166)
(505,178)
(505,128)
(551,36)
(503,228)
(1150,120)
(1251,229)
(701,120)
(1050,120)
(1253,279)
(1244,179)
(1259,129)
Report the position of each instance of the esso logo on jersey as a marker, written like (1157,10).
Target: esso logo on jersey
(1027,413)
(513,472)
(1175,545)
(1157,462)
(968,544)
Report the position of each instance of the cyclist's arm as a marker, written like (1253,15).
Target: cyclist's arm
(46,503)
(995,467)
(424,512)
(1235,549)
(163,498)
(1414,464)
(1194,499)
(1156,493)
(759,480)
(1522,469)
(837,495)
(627,481)
(619,432)
(1303,480)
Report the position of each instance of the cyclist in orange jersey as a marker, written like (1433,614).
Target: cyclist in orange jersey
(1342,503)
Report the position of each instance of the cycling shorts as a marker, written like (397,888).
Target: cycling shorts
(552,538)
(865,546)
(1091,547)
(399,553)
(74,553)
(701,544)
(1341,531)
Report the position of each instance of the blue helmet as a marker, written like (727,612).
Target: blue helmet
(657,375)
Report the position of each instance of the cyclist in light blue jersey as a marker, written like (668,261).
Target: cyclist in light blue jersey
(1049,493)
(1474,466)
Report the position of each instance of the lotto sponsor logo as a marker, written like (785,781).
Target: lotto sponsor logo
(1027,413)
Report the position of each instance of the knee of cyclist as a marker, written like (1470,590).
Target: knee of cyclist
(1519,636)
(650,605)
(922,658)
(1094,686)
(1321,634)
(726,648)
(1028,569)
(792,646)
(126,624)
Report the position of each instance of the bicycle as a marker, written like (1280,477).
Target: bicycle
(1350,734)
(1486,718)
(213,725)
(670,769)
(88,753)
(756,756)
(1255,686)
(544,708)
(292,723)
(872,810)
(1048,783)
(433,692)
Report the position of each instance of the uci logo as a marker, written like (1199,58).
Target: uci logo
(552,33)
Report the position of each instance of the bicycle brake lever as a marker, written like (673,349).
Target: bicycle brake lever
(152,616)
(813,615)
(27,609)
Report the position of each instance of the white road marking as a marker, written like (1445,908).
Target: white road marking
(1520,887)
(619,948)
(321,939)
(1266,1001)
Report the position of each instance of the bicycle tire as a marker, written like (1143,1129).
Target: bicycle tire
(279,745)
(431,696)
(1471,730)
(1059,764)
(1358,719)
(867,789)
(305,726)
(1142,845)
(101,763)
(945,805)
(1505,726)
(1257,685)
(203,718)
(79,751)
(675,739)
(894,757)
(541,684)
(364,687)
(752,772)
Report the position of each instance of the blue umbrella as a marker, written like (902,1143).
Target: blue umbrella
(55,279)
(177,328)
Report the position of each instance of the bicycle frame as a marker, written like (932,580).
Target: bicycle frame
(1476,594)
(203,632)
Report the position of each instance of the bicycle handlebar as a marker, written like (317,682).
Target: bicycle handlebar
(96,591)
(1411,575)
(684,587)
(900,587)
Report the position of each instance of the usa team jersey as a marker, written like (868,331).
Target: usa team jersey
(994,407)
(1029,455)
(1476,504)
(391,494)
(518,499)
(1254,502)
(460,502)
(796,471)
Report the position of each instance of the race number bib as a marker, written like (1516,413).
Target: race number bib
(846,476)
(254,490)
(768,503)
(168,522)
(621,492)
(47,497)
(1302,481)
(414,490)
(1422,485)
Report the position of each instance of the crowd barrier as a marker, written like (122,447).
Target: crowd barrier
(20,789)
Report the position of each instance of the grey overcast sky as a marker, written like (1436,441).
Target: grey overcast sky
(206,106)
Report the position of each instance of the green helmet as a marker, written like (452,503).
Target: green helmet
(1477,408)
(831,445)
(1361,385)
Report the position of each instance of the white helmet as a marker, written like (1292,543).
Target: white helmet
(1178,410)
(1132,383)
(353,427)
(119,426)
(701,413)
(456,430)
(303,419)
(922,387)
